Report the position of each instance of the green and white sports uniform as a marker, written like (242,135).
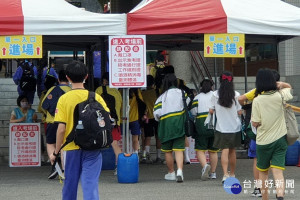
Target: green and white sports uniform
(169,112)
(205,138)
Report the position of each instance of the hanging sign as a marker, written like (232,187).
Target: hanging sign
(24,145)
(224,45)
(21,46)
(127,61)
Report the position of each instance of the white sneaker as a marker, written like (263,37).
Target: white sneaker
(205,172)
(213,175)
(179,176)
(224,178)
(170,176)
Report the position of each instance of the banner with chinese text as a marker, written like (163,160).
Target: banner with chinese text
(21,46)
(127,61)
(224,45)
(24,145)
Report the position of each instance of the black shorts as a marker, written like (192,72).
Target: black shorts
(150,128)
(51,133)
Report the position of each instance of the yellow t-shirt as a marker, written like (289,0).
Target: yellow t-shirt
(49,117)
(133,112)
(40,109)
(267,110)
(149,97)
(118,98)
(251,94)
(65,110)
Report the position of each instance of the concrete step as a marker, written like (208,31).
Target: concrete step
(9,95)
(8,101)
(7,81)
(8,88)
(4,141)
(4,123)
(4,131)
(4,155)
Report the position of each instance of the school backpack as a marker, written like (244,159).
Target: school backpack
(159,76)
(92,125)
(247,133)
(28,80)
(110,102)
(51,100)
(50,80)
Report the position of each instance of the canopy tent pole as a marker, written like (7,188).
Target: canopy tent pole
(90,65)
(125,120)
(103,50)
(216,74)
(246,68)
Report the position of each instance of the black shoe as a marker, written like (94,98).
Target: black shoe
(53,174)
(256,192)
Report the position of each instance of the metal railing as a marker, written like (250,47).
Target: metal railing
(200,69)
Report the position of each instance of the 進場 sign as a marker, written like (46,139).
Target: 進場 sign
(224,45)
(21,46)
(127,61)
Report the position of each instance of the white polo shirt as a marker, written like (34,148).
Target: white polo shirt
(228,120)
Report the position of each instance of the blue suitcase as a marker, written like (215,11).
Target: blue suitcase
(108,159)
(292,154)
(128,168)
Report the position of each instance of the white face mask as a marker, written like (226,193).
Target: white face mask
(24,104)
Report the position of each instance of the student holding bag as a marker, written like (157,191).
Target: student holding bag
(205,138)
(268,118)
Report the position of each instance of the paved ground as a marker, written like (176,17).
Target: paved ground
(32,184)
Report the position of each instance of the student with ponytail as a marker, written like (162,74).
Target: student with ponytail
(225,105)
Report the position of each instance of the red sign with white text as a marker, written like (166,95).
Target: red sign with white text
(24,145)
(127,62)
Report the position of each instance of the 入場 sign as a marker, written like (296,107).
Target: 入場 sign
(224,45)
(24,145)
(21,46)
(127,61)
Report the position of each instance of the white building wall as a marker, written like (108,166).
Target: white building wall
(289,59)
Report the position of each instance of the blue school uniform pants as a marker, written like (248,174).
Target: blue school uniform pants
(86,166)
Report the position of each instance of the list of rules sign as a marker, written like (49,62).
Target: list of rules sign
(127,61)
(24,145)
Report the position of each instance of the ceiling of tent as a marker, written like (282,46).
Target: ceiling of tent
(62,24)
(173,24)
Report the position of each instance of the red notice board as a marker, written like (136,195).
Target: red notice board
(24,145)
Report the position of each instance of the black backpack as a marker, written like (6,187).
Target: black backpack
(28,80)
(110,102)
(50,80)
(159,76)
(96,132)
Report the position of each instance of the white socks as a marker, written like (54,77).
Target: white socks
(147,149)
(158,153)
(186,154)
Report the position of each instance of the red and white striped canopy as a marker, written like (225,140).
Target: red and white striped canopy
(56,17)
(263,17)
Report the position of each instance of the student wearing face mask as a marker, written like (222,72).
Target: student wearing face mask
(23,113)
